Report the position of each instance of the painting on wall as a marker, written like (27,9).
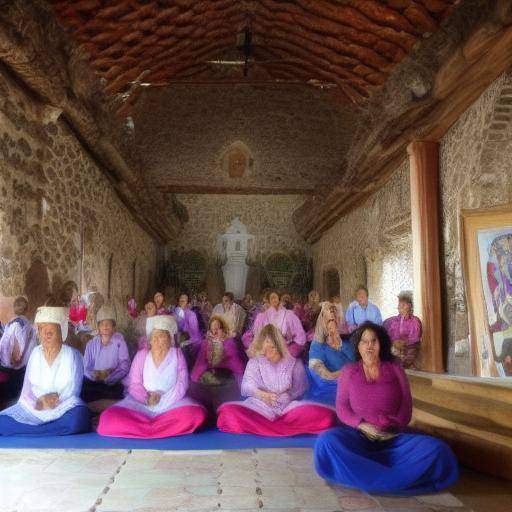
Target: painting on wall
(487,237)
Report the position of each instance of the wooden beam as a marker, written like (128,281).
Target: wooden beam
(481,57)
(241,190)
(424,165)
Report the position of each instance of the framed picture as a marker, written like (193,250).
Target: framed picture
(487,264)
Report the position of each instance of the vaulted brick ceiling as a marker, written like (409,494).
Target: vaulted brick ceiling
(348,45)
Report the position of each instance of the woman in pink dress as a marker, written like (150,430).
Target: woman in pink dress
(156,405)
(405,332)
(285,320)
(273,383)
(217,351)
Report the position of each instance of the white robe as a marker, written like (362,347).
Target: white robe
(64,377)
(170,379)
(27,340)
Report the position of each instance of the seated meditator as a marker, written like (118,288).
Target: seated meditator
(149,311)
(405,332)
(285,320)
(49,404)
(362,310)
(233,312)
(106,363)
(371,451)
(274,381)
(156,405)
(161,307)
(219,351)
(16,344)
(309,314)
(188,325)
(189,334)
(328,354)
(256,310)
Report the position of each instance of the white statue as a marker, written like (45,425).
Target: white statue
(234,247)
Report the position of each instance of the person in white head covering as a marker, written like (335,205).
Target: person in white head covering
(50,401)
(16,345)
(106,363)
(156,405)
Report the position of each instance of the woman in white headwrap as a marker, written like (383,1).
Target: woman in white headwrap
(50,402)
(156,405)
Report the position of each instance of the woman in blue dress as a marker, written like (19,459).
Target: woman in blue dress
(371,450)
(327,356)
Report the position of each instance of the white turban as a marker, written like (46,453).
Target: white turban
(53,315)
(162,322)
(105,313)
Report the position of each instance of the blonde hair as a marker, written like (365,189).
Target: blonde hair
(272,332)
(321,323)
(223,323)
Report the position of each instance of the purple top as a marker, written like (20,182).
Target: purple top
(113,356)
(385,402)
(407,329)
(287,378)
(187,322)
(136,387)
(289,325)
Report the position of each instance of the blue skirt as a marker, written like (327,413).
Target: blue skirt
(321,390)
(408,464)
(74,421)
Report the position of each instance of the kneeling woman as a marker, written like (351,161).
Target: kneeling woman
(273,382)
(50,403)
(156,405)
(217,351)
(370,451)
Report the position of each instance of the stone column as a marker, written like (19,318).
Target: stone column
(424,169)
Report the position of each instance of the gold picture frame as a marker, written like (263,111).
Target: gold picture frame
(487,265)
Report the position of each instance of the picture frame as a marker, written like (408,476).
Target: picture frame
(487,266)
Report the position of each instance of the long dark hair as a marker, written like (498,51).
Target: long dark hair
(382,335)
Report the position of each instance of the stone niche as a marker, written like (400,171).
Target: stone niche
(237,160)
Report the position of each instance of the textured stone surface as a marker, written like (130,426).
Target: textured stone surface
(145,480)
(371,245)
(49,189)
(476,172)
(291,147)
(267,218)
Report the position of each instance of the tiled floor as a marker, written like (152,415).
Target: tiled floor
(148,481)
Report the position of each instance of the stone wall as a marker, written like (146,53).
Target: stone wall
(476,172)
(50,189)
(267,218)
(296,137)
(371,245)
